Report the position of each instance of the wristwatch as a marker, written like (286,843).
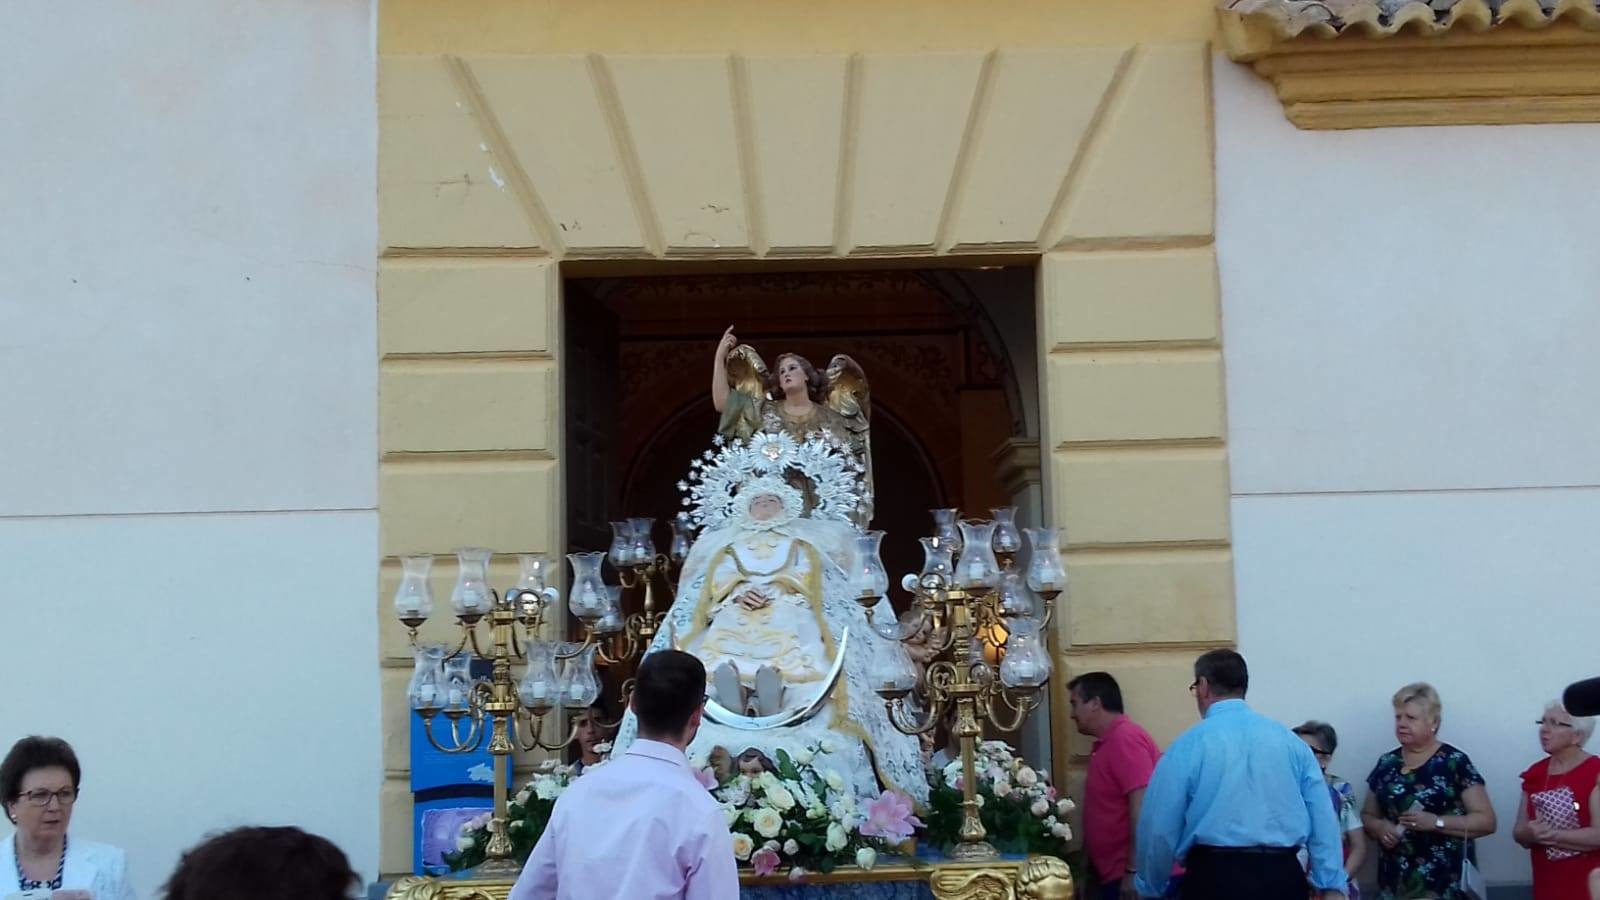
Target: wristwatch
(1438,823)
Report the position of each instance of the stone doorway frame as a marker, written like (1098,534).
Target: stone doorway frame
(497,173)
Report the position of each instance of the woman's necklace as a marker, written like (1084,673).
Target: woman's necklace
(24,883)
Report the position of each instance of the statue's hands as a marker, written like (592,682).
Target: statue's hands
(726,345)
(753,599)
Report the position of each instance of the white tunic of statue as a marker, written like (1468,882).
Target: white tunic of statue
(800,564)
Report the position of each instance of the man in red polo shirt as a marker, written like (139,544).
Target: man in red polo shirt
(1119,768)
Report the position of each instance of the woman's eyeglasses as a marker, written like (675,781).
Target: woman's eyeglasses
(63,797)
(1551,723)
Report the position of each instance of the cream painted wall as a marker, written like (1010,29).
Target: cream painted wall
(1410,318)
(188,349)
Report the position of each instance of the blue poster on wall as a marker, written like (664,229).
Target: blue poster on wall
(448,789)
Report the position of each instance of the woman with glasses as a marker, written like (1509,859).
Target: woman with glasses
(1323,740)
(1555,820)
(39,788)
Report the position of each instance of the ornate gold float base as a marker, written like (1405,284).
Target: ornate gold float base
(1034,878)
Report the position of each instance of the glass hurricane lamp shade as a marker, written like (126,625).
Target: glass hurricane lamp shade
(458,684)
(977,569)
(580,683)
(1026,663)
(938,565)
(621,551)
(588,597)
(1045,572)
(611,619)
(539,687)
(945,527)
(891,672)
(1017,603)
(1006,537)
(426,691)
(868,576)
(413,599)
(641,542)
(682,537)
(472,597)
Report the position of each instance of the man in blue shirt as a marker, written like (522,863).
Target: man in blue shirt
(1234,798)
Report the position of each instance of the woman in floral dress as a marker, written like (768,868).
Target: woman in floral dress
(1427,804)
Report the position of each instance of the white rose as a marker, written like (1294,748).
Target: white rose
(827,746)
(464,842)
(835,780)
(545,788)
(804,757)
(766,821)
(995,774)
(732,815)
(979,798)
(1061,830)
(743,846)
(1063,806)
(836,837)
(1002,788)
(866,857)
(781,798)
(1027,777)
(1040,807)
(791,847)
(774,846)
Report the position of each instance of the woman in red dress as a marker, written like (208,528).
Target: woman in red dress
(1556,820)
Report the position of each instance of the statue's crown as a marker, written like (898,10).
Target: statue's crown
(820,468)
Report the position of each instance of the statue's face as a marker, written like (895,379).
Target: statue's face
(765,507)
(791,376)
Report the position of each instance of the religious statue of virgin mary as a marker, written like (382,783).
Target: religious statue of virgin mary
(767,601)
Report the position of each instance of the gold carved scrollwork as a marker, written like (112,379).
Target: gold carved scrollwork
(413,888)
(1044,878)
(981,884)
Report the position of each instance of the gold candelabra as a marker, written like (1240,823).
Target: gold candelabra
(513,714)
(968,598)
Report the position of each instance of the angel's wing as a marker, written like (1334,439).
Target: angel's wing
(747,372)
(847,392)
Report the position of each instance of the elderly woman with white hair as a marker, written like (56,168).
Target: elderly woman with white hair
(1556,819)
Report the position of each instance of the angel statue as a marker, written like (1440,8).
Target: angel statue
(798,401)
(767,601)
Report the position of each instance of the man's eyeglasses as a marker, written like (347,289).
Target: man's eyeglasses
(63,797)
(1193,687)
(1325,754)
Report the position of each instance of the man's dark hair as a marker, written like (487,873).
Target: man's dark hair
(35,752)
(1098,686)
(260,863)
(669,686)
(1327,739)
(1225,671)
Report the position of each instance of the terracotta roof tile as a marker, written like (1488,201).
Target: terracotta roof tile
(1378,18)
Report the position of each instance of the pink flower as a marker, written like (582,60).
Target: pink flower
(765,861)
(889,817)
(1050,794)
(707,778)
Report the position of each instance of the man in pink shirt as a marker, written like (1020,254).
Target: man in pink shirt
(642,826)
(1119,769)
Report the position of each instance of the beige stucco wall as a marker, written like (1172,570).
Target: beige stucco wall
(1075,133)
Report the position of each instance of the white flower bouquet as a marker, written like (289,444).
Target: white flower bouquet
(1018,806)
(527,813)
(803,818)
